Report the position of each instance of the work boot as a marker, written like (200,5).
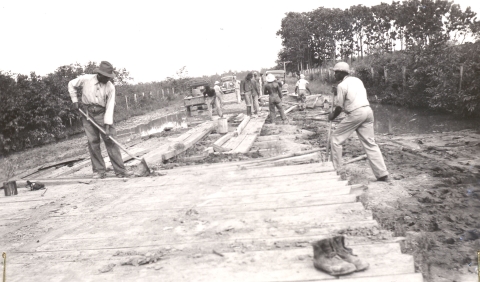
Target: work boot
(383,178)
(326,259)
(98,175)
(249,110)
(126,174)
(347,255)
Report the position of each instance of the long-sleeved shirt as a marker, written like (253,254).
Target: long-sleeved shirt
(272,89)
(248,85)
(94,92)
(351,94)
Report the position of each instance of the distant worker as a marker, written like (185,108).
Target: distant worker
(237,90)
(274,91)
(219,94)
(351,98)
(211,100)
(248,87)
(98,98)
(301,88)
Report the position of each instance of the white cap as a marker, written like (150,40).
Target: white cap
(216,82)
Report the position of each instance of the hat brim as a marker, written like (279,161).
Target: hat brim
(111,75)
(334,69)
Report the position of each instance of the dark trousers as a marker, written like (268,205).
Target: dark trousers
(93,136)
(274,101)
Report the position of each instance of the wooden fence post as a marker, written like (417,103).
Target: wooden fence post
(168,91)
(163,93)
(143,94)
(126,101)
(404,76)
(461,77)
(135,96)
(173,90)
(373,73)
(385,73)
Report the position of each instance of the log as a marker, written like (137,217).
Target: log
(222,140)
(362,157)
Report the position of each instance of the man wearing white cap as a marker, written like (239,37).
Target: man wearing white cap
(274,91)
(302,87)
(219,94)
(351,98)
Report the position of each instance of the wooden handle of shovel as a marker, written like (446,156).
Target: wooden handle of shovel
(103,131)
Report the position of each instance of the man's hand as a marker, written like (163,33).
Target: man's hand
(107,131)
(75,106)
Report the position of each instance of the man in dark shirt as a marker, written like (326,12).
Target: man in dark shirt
(211,99)
(274,91)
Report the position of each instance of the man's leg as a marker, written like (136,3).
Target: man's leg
(219,108)
(220,100)
(345,128)
(279,106)
(255,103)
(114,153)
(303,99)
(271,107)
(93,137)
(209,101)
(367,138)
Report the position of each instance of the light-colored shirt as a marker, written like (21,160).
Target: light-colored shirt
(302,84)
(218,90)
(94,92)
(237,84)
(351,94)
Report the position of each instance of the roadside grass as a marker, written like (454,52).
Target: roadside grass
(316,85)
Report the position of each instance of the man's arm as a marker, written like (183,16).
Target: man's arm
(72,90)
(110,105)
(339,99)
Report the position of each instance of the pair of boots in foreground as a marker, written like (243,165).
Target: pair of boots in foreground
(333,257)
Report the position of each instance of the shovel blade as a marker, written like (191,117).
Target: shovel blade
(142,169)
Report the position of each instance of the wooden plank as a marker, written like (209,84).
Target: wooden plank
(309,158)
(410,277)
(273,265)
(245,145)
(291,109)
(234,141)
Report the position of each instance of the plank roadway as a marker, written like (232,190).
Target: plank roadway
(216,223)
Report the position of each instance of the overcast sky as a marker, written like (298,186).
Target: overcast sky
(151,39)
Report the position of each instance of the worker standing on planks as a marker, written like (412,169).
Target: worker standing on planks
(274,91)
(351,98)
(98,97)
(249,88)
(302,87)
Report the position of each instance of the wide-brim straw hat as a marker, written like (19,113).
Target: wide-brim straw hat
(270,78)
(105,69)
(216,82)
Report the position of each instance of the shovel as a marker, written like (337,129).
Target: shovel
(330,125)
(143,169)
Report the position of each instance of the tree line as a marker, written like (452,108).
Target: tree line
(36,109)
(426,48)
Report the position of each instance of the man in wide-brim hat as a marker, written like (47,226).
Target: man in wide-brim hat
(98,99)
(351,98)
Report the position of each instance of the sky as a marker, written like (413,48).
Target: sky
(151,39)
